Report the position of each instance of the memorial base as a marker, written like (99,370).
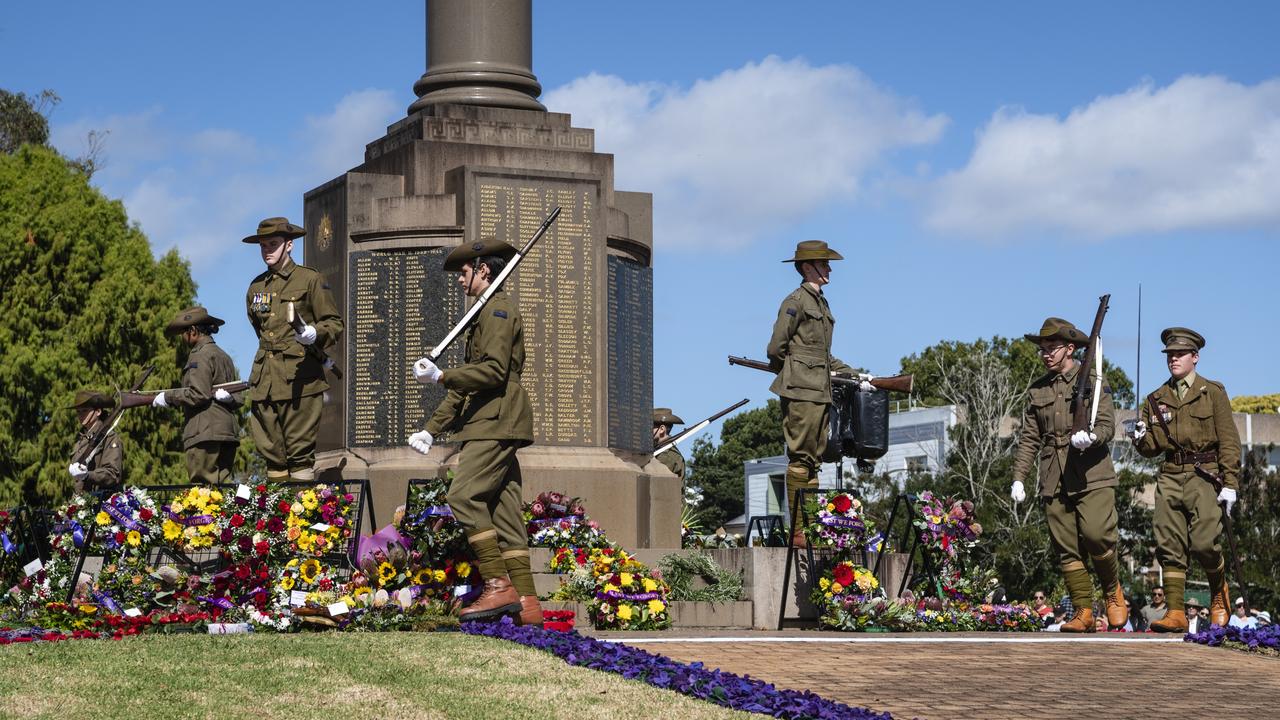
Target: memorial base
(637,507)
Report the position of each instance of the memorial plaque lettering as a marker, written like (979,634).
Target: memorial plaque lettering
(402,304)
(630,355)
(556,290)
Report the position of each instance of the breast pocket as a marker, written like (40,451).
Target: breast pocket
(1203,431)
(806,374)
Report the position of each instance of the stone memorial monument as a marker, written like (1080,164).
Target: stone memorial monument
(479,156)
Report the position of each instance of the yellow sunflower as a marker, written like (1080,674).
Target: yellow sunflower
(309,571)
(422,577)
(102,518)
(386,573)
(134,538)
(286,583)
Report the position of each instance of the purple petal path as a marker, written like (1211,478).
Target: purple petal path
(991,675)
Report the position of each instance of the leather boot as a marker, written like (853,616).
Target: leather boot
(530,611)
(1220,599)
(498,598)
(1081,622)
(1174,621)
(1117,613)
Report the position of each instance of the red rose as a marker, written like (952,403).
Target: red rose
(260,525)
(285,505)
(242,572)
(262,548)
(120,538)
(262,488)
(145,514)
(843,574)
(237,520)
(842,503)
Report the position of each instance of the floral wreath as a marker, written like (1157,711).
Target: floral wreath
(317,521)
(191,519)
(838,522)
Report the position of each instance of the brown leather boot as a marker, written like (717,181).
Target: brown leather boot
(530,611)
(1081,622)
(1117,613)
(498,599)
(1174,621)
(1220,604)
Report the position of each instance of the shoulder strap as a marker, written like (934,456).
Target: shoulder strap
(1159,418)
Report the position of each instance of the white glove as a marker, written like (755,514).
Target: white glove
(159,401)
(223,396)
(1083,439)
(866,386)
(307,336)
(1228,496)
(77,470)
(1139,430)
(1018,492)
(426,371)
(421,441)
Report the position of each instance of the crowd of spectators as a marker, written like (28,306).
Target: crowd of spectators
(1052,616)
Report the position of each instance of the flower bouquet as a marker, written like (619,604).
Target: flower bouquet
(838,522)
(436,538)
(555,521)
(191,519)
(253,523)
(318,521)
(874,614)
(1006,618)
(632,597)
(948,527)
(844,583)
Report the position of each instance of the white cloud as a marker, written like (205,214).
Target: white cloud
(1203,152)
(746,152)
(202,190)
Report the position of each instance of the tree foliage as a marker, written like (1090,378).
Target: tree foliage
(717,469)
(83,303)
(1256,404)
(1257,529)
(23,119)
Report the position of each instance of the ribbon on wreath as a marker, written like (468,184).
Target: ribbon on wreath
(634,597)
(842,522)
(6,543)
(104,599)
(191,521)
(571,519)
(221,602)
(122,518)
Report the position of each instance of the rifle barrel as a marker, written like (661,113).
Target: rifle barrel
(674,439)
(894,383)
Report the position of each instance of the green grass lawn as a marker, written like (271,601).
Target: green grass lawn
(350,676)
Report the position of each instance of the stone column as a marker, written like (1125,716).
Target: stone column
(479,52)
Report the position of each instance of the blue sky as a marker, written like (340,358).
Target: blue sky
(981,166)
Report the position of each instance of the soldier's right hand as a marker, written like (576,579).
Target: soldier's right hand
(1018,492)
(426,372)
(1139,430)
(223,396)
(77,470)
(421,441)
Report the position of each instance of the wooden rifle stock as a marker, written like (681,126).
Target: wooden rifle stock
(132,399)
(1080,420)
(893,383)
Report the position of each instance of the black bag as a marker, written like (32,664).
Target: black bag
(858,424)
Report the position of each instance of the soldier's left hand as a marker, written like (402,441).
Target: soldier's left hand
(77,470)
(223,396)
(1083,439)
(307,336)
(421,441)
(1228,496)
(159,401)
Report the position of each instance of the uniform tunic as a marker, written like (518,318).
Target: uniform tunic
(674,461)
(1077,488)
(106,468)
(799,352)
(212,432)
(1187,520)
(488,411)
(287,381)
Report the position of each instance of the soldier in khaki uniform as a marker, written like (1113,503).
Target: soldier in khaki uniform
(105,470)
(287,385)
(1191,426)
(663,422)
(212,432)
(488,411)
(800,353)
(1077,479)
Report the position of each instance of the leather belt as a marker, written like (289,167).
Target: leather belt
(1185,457)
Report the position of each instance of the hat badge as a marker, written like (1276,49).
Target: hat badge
(477,246)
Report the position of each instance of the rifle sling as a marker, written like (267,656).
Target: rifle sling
(1215,480)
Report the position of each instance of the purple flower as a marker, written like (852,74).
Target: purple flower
(722,688)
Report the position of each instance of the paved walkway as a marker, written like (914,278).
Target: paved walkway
(991,675)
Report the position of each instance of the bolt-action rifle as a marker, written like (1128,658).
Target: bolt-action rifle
(106,423)
(895,383)
(1087,413)
(689,431)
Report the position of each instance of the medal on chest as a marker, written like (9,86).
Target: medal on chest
(260,302)
(1164,412)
